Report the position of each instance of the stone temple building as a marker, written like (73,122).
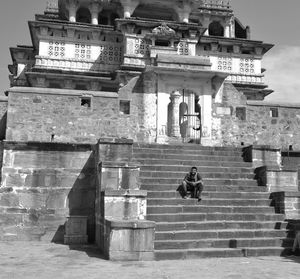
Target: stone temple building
(112,104)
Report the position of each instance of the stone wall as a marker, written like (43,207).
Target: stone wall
(42,184)
(41,114)
(258,126)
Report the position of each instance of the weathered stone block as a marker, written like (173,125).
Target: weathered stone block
(76,230)
(125,205)
(287,203)
(9,199)
(129,240)
(115,150)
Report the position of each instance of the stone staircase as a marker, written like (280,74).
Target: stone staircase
(234,217)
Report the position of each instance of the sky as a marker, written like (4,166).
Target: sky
(272,21)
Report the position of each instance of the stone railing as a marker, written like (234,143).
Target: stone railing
(247,79)
(281,182)
(216,4)
(75,65)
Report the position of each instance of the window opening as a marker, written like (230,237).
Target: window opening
(274,112)
(86,102)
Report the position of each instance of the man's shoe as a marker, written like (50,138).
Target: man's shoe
(185,197)
(199,199)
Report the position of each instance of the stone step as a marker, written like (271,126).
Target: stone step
(190,163)
(218,234)
(201,169)
(184,147)
(187,157)
(187,217)
(258,194)
(209,188)
(206,181)
(187,254)
(209,202)
(222,243)
(208,209)
(205,175)
(221,225)
(203,152)
(227,192)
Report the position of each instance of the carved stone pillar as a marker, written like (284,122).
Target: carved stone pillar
(205,23)
(229,22)
(191,110)
(72,6)
(184,13)
(95,9)
(175,128)
(129,6)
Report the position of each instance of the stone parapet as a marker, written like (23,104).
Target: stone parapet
(287,203)
(262,155)
(276,179)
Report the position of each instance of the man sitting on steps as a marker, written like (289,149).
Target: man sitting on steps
(192,182)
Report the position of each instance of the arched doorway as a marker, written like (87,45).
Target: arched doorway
(83,15)
(187,110)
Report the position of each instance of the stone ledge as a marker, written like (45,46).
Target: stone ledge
(181,59)
(271,104)
(286,153)
(117,165)
(47,146)
(3,99)
(288,194)
(275,168)
(262,147)
(130,224)
(125,193)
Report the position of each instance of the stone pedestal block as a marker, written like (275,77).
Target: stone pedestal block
(119,176)
(287,203)
(76,230)
(276,179)
(129,240)
(262,155)
(115,150)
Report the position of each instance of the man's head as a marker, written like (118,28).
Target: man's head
(193,170)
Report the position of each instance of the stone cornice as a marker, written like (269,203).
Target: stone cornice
(273,104)
(236,41)
(54,91)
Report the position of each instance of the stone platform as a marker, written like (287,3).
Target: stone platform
(38,260)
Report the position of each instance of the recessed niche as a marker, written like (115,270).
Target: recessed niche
(124,107)
(240,113)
